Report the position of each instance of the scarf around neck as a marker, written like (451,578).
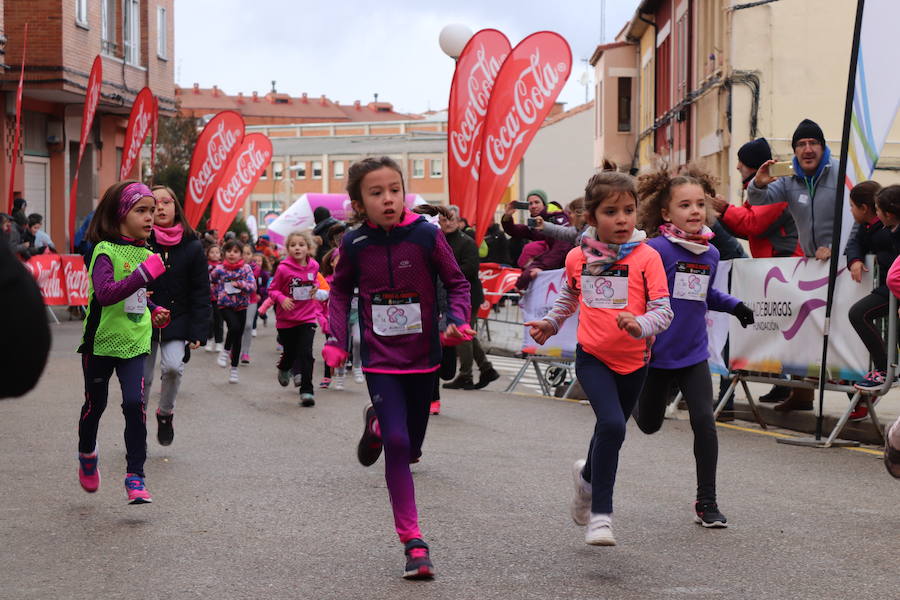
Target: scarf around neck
(698,243)
(168,236)
(233,266)
(599,256)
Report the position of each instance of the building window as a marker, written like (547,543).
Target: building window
(418,169)
(131,32)
(278,170)
(624,104)
(81,12)
(108,18)
(299,170)
(264,174)
(161,32)
(266,208)
(437,168)
(317,169)
(337,169)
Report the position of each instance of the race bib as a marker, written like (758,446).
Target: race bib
(396,313)
(302,290)
(609,290)
(230,288)
(691,281)
(136,303)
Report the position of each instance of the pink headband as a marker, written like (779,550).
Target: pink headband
(130,196)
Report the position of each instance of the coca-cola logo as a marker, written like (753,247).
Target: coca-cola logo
(478,86)
(218,148)
(47,277)
(249,164)
(76,280)
(535,86)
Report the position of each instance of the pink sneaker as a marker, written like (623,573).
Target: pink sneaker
(134,487)
(245,358)
(88,473)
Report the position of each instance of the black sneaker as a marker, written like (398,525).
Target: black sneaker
(418,561)
(165,433)
(460,383)
(708,515)
(369,448)
(778,393)
(485,378)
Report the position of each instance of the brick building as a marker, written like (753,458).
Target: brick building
(135,39)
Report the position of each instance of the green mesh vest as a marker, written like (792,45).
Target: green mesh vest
(109,330)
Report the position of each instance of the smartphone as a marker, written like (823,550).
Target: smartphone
(781,169)
(532,222)
(520,205)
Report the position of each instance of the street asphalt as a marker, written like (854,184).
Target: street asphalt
(261,498)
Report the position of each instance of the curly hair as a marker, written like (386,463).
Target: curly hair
(654,189)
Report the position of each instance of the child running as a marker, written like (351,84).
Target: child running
(184,290)
(395,258)
(293,291)
(117,329)
(216,325)
(619,284)
(247,337)
(234,283)
(676,210)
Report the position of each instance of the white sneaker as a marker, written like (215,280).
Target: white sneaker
(358,376)
(599,531)
(253,333)
(233,375)
(220,346)
(210,346)
(581,503)
(222,361)
(338,382)
(298,379)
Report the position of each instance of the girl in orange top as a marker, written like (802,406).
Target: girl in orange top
(620,286)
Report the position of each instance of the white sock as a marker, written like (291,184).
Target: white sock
(600,519)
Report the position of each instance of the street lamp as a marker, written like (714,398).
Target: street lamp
(453,39)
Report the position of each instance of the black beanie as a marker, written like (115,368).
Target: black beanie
(754,154)
(808,129)
(320,214)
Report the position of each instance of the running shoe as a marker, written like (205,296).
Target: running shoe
(599,531)
(358,376)
(222,360)
(339,382)
(165,433)
(210,346)
(418,561)
(137,492)
(253,333)
(708,515)
(326,381)
(220,346)
(284,377)
(861,412)
(298,379)
(581,503)
(245,358)
(233,375)
(369,448)
(873,380)
(89,471)
(307,399)
(435,407)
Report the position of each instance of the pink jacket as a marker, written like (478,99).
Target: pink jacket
(893,277)
(300,283)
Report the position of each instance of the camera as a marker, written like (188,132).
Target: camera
(532,222)
(520,205)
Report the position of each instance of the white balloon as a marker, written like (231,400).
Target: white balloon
(453,39)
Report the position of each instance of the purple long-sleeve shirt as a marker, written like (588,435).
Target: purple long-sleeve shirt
(108,291)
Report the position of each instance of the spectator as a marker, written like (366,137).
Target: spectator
(81,245)
(497,246)
(245,239)
(324,222)
(570,233)
(41,239)
(810,194)
(555,255)
(466,254)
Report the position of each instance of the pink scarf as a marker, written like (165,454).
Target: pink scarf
(698,243)
(168,236)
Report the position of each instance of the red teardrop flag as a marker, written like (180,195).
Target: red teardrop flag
(243,171)
(139,123)
(215,147)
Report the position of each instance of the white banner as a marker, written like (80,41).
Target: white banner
(542,293)
(787,296)
(717,323)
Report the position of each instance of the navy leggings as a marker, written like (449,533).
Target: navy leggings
(612,396)
(401,404)
(97,372)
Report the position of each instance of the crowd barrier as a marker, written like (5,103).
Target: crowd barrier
(62,279)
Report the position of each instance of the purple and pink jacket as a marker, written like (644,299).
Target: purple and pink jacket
(238,274)
(408,258)
(288,274)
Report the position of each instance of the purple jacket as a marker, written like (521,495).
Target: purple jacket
(406,261)
(233,285)
(684,343)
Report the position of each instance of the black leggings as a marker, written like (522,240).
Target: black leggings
(235,320)
(297,353)
(863,316)
(216,325)
(695,384)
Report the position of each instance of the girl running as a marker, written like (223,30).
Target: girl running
(395,258)
(247,337)
(293,290)
(619,284)
(262,263)
(234,283)
(117,328)
(216,325)
(676,211)
(184,290)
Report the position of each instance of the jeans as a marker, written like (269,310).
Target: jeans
(171,367)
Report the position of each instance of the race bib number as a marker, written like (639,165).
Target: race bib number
(136,303)
(691,281)
(230,288)
(609,290)
(302,290)
(396,313)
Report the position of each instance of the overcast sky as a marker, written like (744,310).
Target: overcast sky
(349,50)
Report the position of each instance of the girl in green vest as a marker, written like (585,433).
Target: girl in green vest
(117,328)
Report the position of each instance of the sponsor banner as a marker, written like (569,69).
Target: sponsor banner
(470,93)
(526,87)
(495,280)
(788,297)
(91,99)
(63,279)
(249,162)
(76,280)
(214,148)
(18,130)
(538,300)
(139,123)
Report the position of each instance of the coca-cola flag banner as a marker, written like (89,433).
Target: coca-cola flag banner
(470,93)
(17,134)
(243,171)
(154,129)
(139,124)
(496,281)
(215,147)
(528,83)
(91,99)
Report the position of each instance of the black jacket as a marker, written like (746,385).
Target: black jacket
(466,253)
(184,290)
(498,246)
(874,238)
